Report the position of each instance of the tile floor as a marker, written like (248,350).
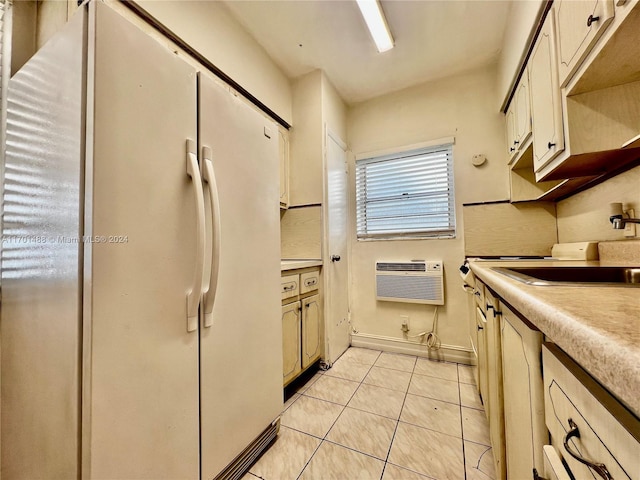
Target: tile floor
(378,415)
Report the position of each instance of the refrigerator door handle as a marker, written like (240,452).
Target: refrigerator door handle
(214,199)
(194,295)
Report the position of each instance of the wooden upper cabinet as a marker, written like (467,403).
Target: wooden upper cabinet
(580,23)
(546,104)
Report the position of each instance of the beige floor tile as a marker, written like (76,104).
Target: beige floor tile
(391,472)
(427,452)
(385,377)
(433,414)
(396,361)
(436,388)
(287,456)
(469,397)
(333,462)
(332,389)
(378,400)
(311,381)
(365,356)
(475,427)
(432,368)
(465,374)
(479,462)
(349,370)
(364,432)
(312,416)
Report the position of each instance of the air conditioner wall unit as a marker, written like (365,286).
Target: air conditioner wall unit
(410,282)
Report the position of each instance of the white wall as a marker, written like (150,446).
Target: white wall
(521,23)
(464,107)
(209,28)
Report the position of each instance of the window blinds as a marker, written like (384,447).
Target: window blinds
(409,194)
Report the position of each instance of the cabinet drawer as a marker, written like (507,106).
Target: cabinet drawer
(575,412)
(309,281)
(289,286)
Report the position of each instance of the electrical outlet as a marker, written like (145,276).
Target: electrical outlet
(630,228)
(405,322)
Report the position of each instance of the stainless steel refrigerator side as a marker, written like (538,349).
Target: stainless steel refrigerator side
(144,361)
(41,262)
(241,350)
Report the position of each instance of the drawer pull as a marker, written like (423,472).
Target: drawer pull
(599,468)
(287,288)
(310,283)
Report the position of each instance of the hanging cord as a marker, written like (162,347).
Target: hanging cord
(430,339)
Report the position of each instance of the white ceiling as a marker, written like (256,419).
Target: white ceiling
(433,39)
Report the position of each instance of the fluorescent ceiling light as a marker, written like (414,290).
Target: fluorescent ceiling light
(372,13)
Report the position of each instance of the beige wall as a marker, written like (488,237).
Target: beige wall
(209,28)
(585,216)
(334,110)
(463,107)
(521,23)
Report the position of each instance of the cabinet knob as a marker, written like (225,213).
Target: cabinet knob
(516,142)
(511,149)
(549,145)
(335,258)
(480,328)
(592,19)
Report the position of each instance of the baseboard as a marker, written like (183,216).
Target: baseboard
(446,353)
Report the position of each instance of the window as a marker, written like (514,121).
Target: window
(406,195)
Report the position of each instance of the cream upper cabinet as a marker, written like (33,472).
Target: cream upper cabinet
(518,119)
(283,145)
(510,119)
(546,105)
(580,23)
(522,112)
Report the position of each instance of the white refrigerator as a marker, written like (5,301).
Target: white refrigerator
(141,334)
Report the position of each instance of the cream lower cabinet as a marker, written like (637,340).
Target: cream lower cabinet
(311,330)
(587,424)
(291,355)
(302,322)
(495,398)
(481,345)
(525,431)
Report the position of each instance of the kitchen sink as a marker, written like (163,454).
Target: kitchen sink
(592,275)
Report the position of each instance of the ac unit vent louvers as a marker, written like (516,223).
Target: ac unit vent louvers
(401,267)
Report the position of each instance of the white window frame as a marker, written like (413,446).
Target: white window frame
(446,230)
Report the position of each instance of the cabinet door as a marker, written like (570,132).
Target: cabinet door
(553,467)
(522,112)
(510,125)
(291,354)
(481,342)
(525,432)
(283,146)
(580,24)
(311,330)
(496,401)
(546,105)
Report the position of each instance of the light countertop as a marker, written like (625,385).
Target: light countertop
(295,264)
(599,327)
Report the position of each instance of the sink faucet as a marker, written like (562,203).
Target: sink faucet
(619,222)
